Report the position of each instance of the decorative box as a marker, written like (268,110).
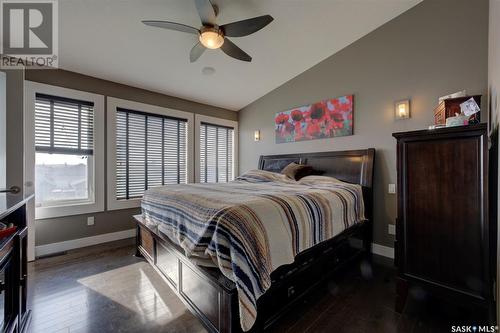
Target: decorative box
(449,107)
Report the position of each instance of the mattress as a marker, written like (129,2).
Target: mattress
(249,227)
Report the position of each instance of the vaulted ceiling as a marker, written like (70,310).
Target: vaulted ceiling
(106,39)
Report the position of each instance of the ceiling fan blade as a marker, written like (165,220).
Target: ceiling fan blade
(246,27)
(234,51)
(196,52)
(206,11)
(172,26)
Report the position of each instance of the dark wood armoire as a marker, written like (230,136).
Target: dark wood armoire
(445,240)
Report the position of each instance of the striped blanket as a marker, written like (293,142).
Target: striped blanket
(251,226)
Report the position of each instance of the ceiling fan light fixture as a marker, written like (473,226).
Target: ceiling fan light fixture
(211,38)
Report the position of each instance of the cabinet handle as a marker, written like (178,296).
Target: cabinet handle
(23,279)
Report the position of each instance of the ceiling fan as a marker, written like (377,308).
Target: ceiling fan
(213,36)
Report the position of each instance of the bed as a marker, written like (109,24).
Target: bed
(253,281)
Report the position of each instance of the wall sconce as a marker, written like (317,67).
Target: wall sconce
(256,135)
(402,109)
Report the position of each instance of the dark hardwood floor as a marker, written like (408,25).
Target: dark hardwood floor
(105,289)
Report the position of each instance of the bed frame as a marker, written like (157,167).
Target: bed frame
(213,298)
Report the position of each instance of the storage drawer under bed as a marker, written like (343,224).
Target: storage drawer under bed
(147,243)
(191,282)
(168,264)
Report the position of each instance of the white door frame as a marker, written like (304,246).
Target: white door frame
(29,172)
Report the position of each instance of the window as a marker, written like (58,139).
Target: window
(217,142)
(62,179)
(150,151)
(64,150)
(216,153)
(148,146)
(64,145)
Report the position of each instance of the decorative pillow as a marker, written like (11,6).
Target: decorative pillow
(315,180)
(258,176)
(297,171)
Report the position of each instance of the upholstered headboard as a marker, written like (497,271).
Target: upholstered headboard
(352,166)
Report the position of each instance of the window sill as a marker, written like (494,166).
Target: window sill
(42,213)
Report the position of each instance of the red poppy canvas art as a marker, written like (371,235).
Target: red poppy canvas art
(326,119)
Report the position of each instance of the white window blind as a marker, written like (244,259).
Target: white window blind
(63,125)
(216,153)
(151,150)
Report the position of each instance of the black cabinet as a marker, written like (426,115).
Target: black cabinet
(14,313)
(444,237)
(7,295)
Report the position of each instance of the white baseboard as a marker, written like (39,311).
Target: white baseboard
(47,249)
(383,251)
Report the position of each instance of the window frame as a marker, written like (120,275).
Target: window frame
(199,119)
(112,105)
(68,208)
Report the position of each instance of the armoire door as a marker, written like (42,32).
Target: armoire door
(444,235)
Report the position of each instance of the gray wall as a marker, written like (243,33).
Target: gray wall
(436,48)
(494,86)
(74,227)
(494,62)
(91,84)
